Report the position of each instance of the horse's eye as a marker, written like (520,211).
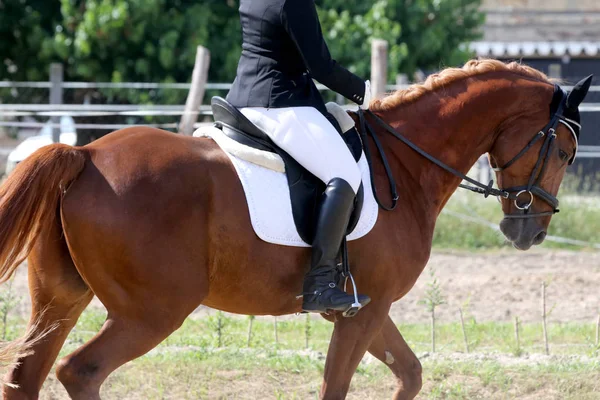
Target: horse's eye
(563,155)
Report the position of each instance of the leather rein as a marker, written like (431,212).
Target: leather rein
(532,188)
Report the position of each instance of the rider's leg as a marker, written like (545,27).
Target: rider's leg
(306,135)
(320,290)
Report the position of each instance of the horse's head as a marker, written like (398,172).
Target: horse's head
(530,166)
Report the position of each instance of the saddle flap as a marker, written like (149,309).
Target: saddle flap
(304,187)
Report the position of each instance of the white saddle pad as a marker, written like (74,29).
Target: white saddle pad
(268,196)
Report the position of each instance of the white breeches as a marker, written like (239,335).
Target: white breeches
(306,135)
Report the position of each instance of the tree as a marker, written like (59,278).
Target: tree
(144,40)
(348,33)
(436,31)
(26,29)
(423,34)
(155,40)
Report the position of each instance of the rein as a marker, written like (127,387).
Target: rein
(532,188)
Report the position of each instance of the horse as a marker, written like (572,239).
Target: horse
(156,224)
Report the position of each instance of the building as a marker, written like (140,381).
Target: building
(559,37)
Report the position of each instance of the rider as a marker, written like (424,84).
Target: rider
(283,50)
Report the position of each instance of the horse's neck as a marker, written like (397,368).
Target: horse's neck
(455,127)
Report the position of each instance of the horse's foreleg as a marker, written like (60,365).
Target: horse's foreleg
(350,340)
(391,348)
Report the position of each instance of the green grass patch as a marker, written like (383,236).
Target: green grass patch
(200,335)
(578,219)
(190,365)
(179,376)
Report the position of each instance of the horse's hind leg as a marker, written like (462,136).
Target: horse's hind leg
(138,322)
(391,348)
(83,372)
(119,341)
(58,296)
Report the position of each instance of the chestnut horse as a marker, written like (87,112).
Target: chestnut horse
(156,224)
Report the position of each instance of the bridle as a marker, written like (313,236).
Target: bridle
(532,188)
(548,134)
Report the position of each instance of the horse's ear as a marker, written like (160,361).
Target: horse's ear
(579,92)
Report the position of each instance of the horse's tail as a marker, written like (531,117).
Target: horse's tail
(29,203)
(29,200)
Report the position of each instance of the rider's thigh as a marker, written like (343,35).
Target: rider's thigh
(306,135)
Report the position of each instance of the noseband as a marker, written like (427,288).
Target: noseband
(532,188)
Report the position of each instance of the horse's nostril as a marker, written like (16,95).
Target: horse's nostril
(539,238)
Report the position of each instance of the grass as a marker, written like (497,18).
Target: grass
(579,219)
(490,380)
(189,365)
(181,376)
(198,334)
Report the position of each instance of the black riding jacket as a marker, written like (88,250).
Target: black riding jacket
(282,51)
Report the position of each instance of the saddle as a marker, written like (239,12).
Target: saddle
(304,187)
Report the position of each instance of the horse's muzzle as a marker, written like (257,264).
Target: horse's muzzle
(523,233)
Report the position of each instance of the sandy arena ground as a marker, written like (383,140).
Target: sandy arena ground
(505,284)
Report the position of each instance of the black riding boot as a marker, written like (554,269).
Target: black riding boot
(320,290)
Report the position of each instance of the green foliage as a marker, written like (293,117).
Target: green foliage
(8,301)
(307,330)
(433,294)
(578,219)
(142,40)
(156,40)
(422,34)
(348,32)
(435,30)
(217,324)
(26,29)
(580,181)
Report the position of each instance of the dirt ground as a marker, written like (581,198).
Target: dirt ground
(501,285)
(497,286)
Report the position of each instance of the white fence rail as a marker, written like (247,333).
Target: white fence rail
(8,112)
(150,85)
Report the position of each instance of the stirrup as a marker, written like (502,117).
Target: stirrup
(348,311)
(356,306)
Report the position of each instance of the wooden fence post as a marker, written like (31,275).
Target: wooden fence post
(251,319)
(307,330)
(276,334)
(546,347)
(464,331)
(517,340)
(597,341)
(379,66)
(196,94)
(56,96)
